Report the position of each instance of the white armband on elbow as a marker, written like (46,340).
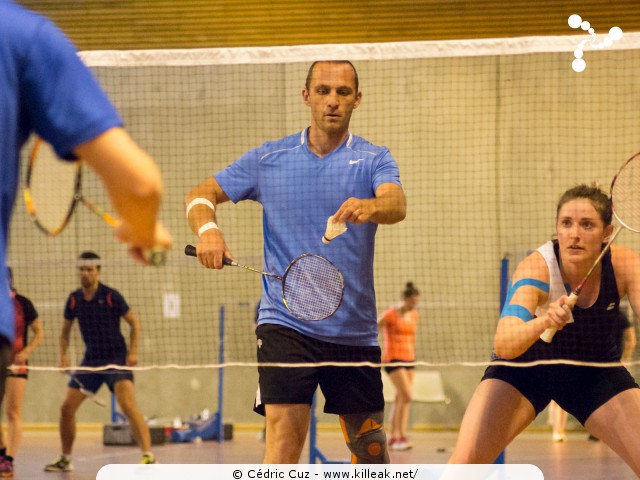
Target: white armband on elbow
(200,201)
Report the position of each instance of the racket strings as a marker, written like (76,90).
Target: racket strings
(312,288)
(625,195)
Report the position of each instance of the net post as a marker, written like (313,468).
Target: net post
(504,286)
(116,416)
(504,280)
(218,414)
(315,453)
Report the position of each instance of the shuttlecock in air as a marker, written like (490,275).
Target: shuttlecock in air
(333,230)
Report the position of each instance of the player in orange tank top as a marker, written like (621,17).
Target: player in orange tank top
(399,325)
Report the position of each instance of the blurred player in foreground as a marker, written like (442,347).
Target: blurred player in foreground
(46,89)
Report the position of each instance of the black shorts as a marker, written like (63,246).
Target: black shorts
(23,373)
(391,368)
(19,372)
(92,381)
(578,390)
(347,390)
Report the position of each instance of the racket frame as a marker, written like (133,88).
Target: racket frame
(28,196)
(190,250)
(613,204)
(157,256)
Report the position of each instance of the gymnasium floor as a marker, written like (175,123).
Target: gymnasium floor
(576,459)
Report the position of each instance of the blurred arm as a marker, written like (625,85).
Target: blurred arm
(133,182)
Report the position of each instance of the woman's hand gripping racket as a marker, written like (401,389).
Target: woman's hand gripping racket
(625,203)
(50,182)
(312,287)
(87,393)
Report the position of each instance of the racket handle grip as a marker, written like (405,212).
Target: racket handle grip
(548,334)
(190,251)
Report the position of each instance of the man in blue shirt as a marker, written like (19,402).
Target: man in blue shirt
(98,310)
(46,89)
(300,181)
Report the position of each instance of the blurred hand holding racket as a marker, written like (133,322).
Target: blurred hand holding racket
(625,203)
(53,190)
(312,287)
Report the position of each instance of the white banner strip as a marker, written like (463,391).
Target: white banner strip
(319,472)
(349,51)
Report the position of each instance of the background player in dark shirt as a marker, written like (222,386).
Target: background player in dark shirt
(98,310)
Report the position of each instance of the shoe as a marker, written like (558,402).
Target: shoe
(401,444)
(392,441)
(406,443)
(559,437)
(61,464)
(147,459)
(6,468)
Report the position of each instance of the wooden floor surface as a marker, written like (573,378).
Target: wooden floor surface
(576,459)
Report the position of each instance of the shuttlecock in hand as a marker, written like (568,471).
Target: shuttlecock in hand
(333,230)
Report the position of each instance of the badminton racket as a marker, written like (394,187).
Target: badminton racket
(87,393)
(53,190)
(625,203)
(312,287)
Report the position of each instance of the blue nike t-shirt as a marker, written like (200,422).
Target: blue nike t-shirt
(298,192)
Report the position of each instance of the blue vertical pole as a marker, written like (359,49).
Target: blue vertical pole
(504,286)
(313,449)
(116,416)
(221,376)
(504,280)
(315,454)
(114,409)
